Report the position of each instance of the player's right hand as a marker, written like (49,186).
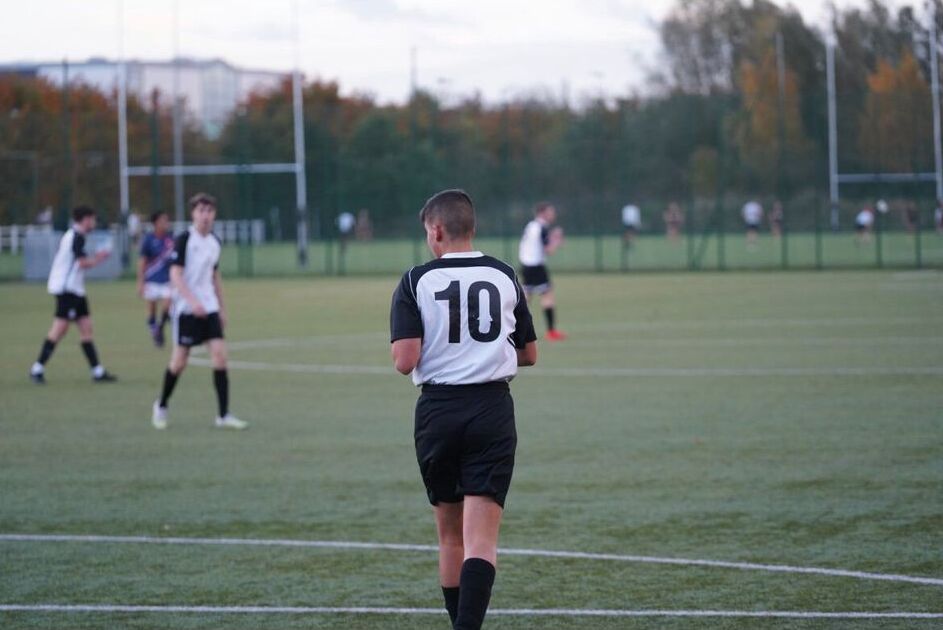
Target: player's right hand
(198,310)
(140,289)
(102,254)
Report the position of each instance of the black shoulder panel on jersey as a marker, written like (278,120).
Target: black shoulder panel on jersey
(78,244)
(179,257)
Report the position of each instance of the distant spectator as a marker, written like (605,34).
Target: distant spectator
(45,216)
(364,228)
(752,213)
(938,217)
(346,222)
(674,221)
(135,227)
(864,222)
(776,219)
(910,216)
(631,223)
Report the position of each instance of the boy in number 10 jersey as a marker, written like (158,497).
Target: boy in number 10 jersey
(460,324)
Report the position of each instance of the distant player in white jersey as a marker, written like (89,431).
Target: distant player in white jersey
(631,223)
(752,213)
(864,222)
(198,312)
(461,326)
(541,239)
(67,284)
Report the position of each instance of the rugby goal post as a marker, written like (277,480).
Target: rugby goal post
(178,170)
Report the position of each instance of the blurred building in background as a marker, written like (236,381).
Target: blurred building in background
(212,87)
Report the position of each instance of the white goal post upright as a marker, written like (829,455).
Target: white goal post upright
(935,87)
(124,201)
(179,170)
(835,179)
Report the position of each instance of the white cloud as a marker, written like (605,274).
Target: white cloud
(492,46)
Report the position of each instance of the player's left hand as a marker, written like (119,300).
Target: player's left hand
(556,235)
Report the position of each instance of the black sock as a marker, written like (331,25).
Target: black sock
(46,352)
(474,594)
(548,313)
(450,593)
(151,321)
(88,348)
(221,381)
(170,381)
(164,318)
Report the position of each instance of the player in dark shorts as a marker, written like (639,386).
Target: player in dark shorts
(463,358)
(199,315)
(539,240)
(67,284)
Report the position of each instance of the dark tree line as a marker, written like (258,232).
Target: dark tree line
(724,118)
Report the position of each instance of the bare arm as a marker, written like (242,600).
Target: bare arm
(176,279)
(554,241)
(406,354)
(87,262)
(527,355)
(141,264)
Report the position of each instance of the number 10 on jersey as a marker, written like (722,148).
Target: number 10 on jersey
(452,295)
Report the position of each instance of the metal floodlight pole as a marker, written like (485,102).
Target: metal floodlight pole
(177,118)
(832,122)
(301,184)
(123,131)
(935,87)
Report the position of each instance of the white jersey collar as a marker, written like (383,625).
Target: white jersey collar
(475,254)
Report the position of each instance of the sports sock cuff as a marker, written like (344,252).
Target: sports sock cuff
(478,566)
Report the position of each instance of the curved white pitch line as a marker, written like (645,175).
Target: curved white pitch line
(519,612)
(540,553)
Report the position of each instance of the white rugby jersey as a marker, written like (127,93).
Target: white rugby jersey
(631,216)
(471,315)
(752,212)
(66,276)
(536,237)
(199,257)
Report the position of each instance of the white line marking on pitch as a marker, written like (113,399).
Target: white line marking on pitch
(328,368)
(540,553)
(520,612)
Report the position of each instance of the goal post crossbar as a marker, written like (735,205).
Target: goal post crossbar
(213,169)
(884,178)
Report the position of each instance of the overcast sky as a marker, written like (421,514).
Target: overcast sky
(496,47)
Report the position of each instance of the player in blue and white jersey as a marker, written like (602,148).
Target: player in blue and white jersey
(460,325)
(67,284)
(157,248)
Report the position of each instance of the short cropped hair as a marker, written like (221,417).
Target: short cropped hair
(80,212)
(541,207)
(201,199)
(158,214)
(454,208)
